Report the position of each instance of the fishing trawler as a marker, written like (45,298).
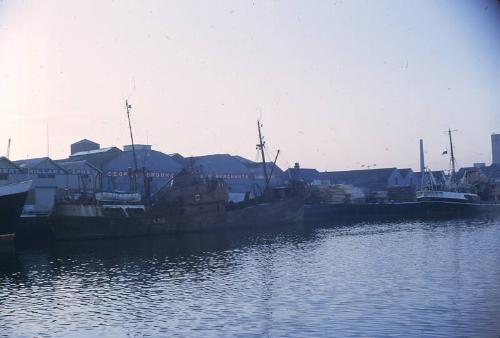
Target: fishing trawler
(190,202)
(101,214)
(451,198)
(12,198)
(195,202)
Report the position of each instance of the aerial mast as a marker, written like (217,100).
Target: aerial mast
(8,149)
(129,107)
(452,155)
(260,147)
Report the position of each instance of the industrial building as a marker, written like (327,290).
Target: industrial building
(116,167)
(495,148)
(84,145)
(241,175)
(409,177)
(8,171)
(370,180)
(303,174)
(159,167)
(49,180)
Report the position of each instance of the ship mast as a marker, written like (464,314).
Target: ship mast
(129,107)
(8,149)
(452,155)
(260,147)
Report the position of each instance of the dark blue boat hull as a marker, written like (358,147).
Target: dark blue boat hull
(425,209)
(11,207)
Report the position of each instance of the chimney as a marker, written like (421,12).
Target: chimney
(422,163)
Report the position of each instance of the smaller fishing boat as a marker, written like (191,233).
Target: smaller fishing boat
(446,196)
(453,198)
(102,214)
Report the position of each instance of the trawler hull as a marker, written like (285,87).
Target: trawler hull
(84,227)
(421,209)
(268,214)
(80,221)
(66,225)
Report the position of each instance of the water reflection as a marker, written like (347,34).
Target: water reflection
(359,279)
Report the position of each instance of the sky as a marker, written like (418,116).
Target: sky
(337,84)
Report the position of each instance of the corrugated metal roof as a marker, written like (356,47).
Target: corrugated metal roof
(367,178)
(150,159)
(405,171)
(77,165)
(5,163)
(86,141)
(38,163)
(303,174)
(95,151)
(220,163)
(492,171)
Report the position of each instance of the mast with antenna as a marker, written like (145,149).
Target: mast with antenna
(274,166)
(260,147)
(8,149)
(129,107)
(452,155)
(47,130)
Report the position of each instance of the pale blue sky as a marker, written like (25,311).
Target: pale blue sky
(338,84)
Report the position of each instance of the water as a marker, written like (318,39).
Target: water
(439,279)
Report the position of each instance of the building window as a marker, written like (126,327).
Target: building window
(4,176)
(46,175)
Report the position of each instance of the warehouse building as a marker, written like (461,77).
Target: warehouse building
(8,171)
(49,180)
(370,180)
(241,175)
(303,174)
(90,168)
(160,168)
(82,176)
(409,177)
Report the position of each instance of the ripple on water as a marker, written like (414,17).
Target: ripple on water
(371,279)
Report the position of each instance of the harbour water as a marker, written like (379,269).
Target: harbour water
(425,279)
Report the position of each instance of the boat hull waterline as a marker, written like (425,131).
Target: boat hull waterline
(423,209)
(260,215)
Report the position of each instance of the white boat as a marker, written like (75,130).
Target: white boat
(446,196)
(450,192)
